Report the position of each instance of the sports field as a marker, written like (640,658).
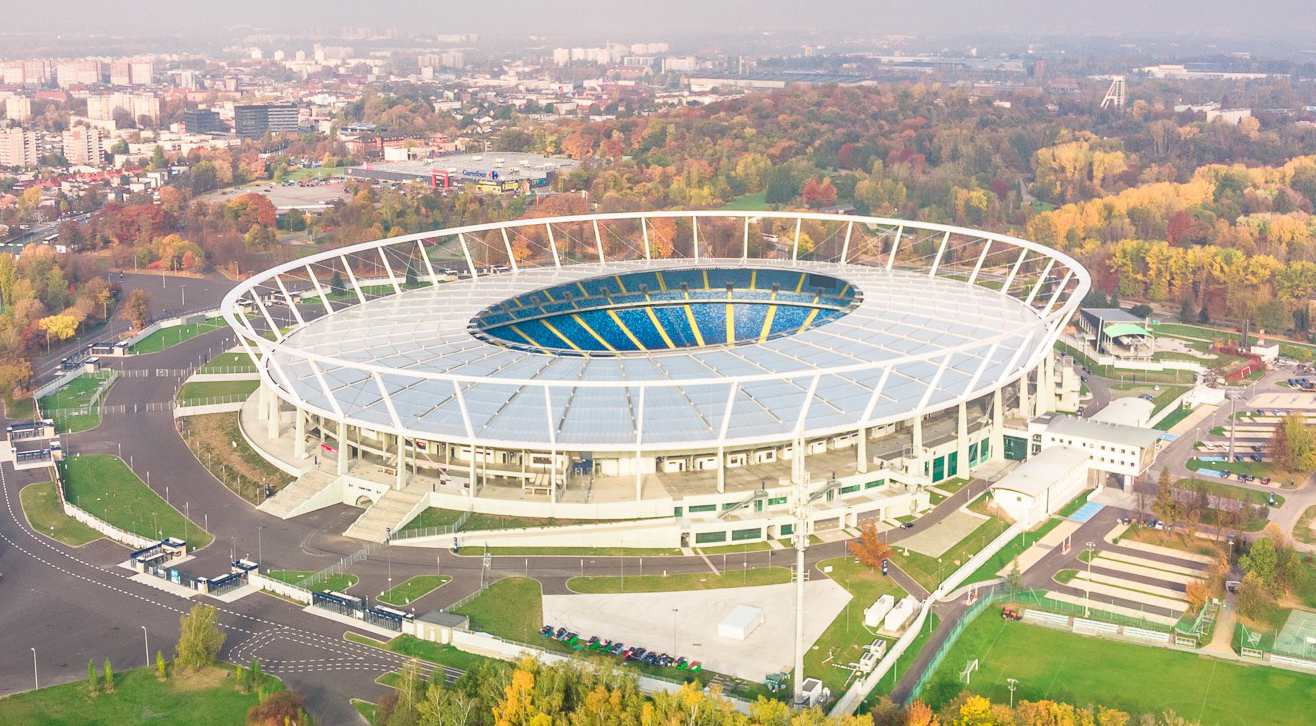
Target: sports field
(1055,665)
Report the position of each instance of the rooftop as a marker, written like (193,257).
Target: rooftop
(1103,430)
(1038,473)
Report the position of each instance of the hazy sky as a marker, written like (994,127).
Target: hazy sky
(628,20)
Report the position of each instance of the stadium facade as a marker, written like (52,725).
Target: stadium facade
(669,377)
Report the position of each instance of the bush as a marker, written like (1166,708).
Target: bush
(283,708)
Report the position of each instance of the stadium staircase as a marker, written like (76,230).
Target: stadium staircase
(394,509)
(292,500)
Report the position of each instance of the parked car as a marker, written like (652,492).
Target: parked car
(546,631)
(906,525)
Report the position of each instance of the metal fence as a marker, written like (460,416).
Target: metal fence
(993,595)
(340,566)
(436,531)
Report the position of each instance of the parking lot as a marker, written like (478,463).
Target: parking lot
(283,196)
(685,623)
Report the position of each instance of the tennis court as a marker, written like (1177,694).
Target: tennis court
(1298,637)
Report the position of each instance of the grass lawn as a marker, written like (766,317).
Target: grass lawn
(736,548)
(1178,541)
(76,406)
(1172,418)
(208,698)
(436,517)
(927,571)
(169,337)
(473,551)
(950,486)
(196,394)
(21,408)
(748,202)
(892,677)
(1050,664)
(366,709)
(43,511)
(218,444)
(1075,504)
(1221,489)
(228,363)
(511,608)
(685,581)
(844,640)
(413,589)
(1011,550)
(1303,531)
(413,647)
(338,583)
(104,486)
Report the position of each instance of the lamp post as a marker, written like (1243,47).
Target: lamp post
(674,612)
(260,556)
(36,683)
(146,643)
(1012,683)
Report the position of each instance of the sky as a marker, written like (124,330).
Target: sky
(630,20)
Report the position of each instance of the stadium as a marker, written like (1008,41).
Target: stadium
(664,377)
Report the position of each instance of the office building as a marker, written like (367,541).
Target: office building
(204,121)
(254,121)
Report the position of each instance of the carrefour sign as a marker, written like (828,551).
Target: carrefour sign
(479,174)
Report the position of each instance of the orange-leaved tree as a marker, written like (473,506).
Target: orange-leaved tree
(869,548)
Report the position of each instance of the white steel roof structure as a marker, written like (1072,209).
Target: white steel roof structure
(946,314)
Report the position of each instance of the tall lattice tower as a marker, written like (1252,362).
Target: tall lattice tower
(1115,94)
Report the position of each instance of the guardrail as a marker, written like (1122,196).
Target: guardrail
(435,531)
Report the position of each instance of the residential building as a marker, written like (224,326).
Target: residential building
(85,72)
(135,104)
(32,72)
(254,121)
(128,72)
(17,108)
(84,146)
(19,147)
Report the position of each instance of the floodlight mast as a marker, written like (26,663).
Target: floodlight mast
(803,507)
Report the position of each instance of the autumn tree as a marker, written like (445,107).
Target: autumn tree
(201,638)
(138,308)
(869,549)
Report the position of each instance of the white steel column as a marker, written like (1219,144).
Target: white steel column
(997,437)
(429,266)
(940,251)
(891,259)
(644,227)
(299,434)
(598,241)
(552,244)
(845,248)
(356,287)
(392,279)
(694,232)
(962,443)
(342,448)
(507,245)
(402,463)
(795,248)
(470,265)
(324,297)
(978,267)
(639,437)
(744,251)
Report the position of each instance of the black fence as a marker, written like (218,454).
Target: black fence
(360,609)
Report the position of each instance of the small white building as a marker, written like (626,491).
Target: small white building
(1043,484)
(1129,411)
(1118,449)
(740,622)
(875,613)
(900,614)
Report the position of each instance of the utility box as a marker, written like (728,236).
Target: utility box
(876,612)
(740,622)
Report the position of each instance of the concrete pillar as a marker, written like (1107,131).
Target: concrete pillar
(721,470)
(273,421)
(861,451)
(263,403)
(637,464)
(552,479)
(472,472)
(997,437)
(917,445)
(402,463)
(797,461)
(342,448)
(1046,387)
(962,440)
(299,435)
(1025,406)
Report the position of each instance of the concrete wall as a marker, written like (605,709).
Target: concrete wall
(170,323)
(654,533)
(118,535)
(181,411)
(280,588)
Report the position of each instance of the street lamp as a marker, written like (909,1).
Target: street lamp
(260,557)
(674,612)
(36,684)
(1012,683)
(146,643)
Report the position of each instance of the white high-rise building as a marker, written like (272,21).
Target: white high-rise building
(19,147)
(86,72)
(84,146)
(17,108)
(103,108)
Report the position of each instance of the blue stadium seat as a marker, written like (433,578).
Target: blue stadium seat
(749,321)
(674,322)
(712,320)
(785,279)
(536,331)
(634,280)
(603,324)
(788,319)
(718,279)
(694,279)
(637,321)
(573,332)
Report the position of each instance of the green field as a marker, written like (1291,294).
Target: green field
(43,511)
(511,608)
(200,393)
(72,407)
(169,337)
(1061,666)
(684,581)
(228,363)
(425,650)
(473,551)
(209,698)
(1219,488)
(748,203)
(338,583)
(1172,418)
(413,589)
(20,408)
(737,548)
(105,487)
(843,641)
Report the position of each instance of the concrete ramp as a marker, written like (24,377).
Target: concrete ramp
(305,494)
(394,509)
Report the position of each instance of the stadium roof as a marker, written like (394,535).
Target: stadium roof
(942,339)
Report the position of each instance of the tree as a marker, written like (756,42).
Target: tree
(160,672)
(253,674)
(1014,579)
(60,327)
(336,285)
(1279,449)
(1253,600)
(1197,593)
(1165,506)
(138,309)
(200,639)
(869,548)
(1261,561)
(92,685)
(109,677)
(281,708)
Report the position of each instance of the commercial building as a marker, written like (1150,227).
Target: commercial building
(204,121)
(19,147)
(254,121)
(501,172)
(84,146)
(680,372)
